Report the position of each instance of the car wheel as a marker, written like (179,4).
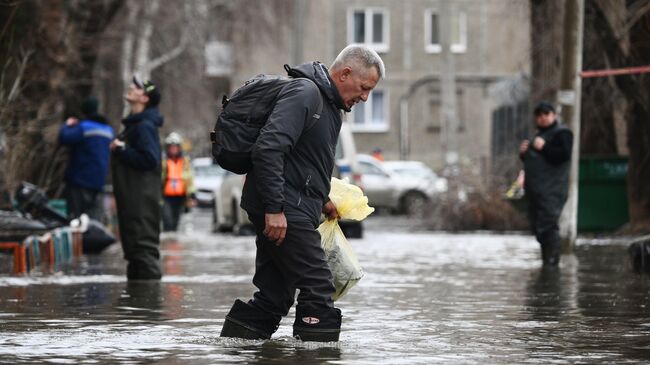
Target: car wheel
(239,228)
(215,220)
(235,218)
(244,230)
(351,229)
(413,204)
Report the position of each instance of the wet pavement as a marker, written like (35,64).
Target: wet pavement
(426,298)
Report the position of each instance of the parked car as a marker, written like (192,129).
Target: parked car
(418,171)
(228,216)
(347,168)
(207,180)
(401,186)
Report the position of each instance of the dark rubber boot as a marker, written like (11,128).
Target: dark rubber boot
(138,270)
(316,324)
(551,254)
(248,322)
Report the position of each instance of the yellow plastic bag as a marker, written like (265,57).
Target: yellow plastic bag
(351,204)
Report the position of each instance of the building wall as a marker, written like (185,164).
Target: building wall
(497,47)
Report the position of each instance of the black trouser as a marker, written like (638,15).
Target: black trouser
(173,207)
(299,263)
(80,200)
(544,214)
(137,195)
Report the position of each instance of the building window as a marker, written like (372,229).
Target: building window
(432,32)
(370,27)
(459,32)
(371,116)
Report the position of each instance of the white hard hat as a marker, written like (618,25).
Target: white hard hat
(173,138)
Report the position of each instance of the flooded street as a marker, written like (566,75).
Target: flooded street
(426,298)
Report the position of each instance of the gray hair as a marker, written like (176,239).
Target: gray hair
(359,55)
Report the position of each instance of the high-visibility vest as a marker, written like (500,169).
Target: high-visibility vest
(175,184)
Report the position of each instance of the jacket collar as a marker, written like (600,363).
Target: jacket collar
(319,74)
(151,114)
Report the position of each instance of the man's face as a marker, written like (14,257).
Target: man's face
(544,119)
(354,86)
(173,150)
(136,95)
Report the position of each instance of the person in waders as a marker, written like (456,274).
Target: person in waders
(137,180)
(287,190)
(547,158)
(178,182)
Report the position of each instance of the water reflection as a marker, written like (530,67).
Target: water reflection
(546,300)
(288,351)
(141,300)
(426,298)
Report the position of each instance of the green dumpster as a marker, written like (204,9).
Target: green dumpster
(602,195)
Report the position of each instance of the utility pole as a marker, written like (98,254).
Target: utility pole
(569,98)
(448,85)
(297,32)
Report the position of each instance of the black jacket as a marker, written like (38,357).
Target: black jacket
(293,158)
(547,171)
(142,150)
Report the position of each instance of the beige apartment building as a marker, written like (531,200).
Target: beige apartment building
(410,115)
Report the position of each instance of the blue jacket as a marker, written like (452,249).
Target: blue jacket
(142,149)
(89,141)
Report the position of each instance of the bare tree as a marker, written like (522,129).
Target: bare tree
(616,34)
(137,51)
(166,40)
(48,52)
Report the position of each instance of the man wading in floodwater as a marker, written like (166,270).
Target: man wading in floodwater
(287,190)
(547,159)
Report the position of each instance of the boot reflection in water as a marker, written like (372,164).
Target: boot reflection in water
(142,300)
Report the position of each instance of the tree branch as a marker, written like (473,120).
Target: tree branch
(166,57)
(176,51)
(128,42)
(19,76)
(634,15)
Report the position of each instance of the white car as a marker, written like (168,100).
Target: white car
(401,186)
(227,215)
(207,180)
(417,171)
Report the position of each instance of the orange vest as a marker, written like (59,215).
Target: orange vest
(175,184)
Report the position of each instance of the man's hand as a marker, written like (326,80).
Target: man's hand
(329,209)
(116,143)
(523,148)
(275,228)
(538,143)
(71,121)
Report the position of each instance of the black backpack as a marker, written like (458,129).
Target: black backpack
(243,116)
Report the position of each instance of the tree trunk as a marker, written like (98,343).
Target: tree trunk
(61,38)
(638,173)
(616,34)
(625,45)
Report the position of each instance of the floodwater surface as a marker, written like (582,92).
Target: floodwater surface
(426,298)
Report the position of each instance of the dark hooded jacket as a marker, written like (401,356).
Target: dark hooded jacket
(547,171)
(142,150)
(293,158)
